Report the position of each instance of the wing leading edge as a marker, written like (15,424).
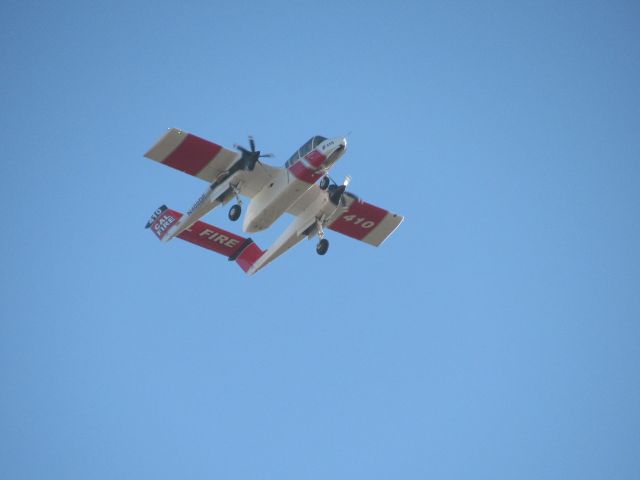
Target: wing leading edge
(191,154)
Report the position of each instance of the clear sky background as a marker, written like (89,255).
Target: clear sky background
(495,335)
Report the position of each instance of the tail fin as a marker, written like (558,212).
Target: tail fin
(236,248)
(160,222)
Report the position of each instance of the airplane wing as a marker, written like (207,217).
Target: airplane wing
(364,221)
(191,154)
(356,218)
(206,160)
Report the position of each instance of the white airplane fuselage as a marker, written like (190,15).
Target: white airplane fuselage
(290,183)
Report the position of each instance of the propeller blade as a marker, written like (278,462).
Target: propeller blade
(346,181)
(251,157)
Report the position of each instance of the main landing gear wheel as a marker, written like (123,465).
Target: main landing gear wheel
(322,247)
(324,183)
(234,212)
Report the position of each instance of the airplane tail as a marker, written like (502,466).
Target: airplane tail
(236,248)
(160,223)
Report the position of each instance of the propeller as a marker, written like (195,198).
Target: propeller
(251,157)
(337,192)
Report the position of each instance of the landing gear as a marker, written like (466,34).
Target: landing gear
(323,243)
(234,212)
(324,183)
(323,246)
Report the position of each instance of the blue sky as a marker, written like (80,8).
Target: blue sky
(494,335)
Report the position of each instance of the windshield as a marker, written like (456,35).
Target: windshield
(317,140)
(306,148)
(309,145)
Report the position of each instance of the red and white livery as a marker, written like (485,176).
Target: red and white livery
(301,188)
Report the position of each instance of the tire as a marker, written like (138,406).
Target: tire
(322,247)
(324,183)
(234,212)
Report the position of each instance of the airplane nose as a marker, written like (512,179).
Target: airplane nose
(342,143)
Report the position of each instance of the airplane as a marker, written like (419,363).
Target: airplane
(301,188)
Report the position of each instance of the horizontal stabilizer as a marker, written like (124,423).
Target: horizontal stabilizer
(236,248)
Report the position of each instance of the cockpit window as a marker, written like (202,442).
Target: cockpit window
(306,148)
(312,143)
(317,140)
(292,160)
